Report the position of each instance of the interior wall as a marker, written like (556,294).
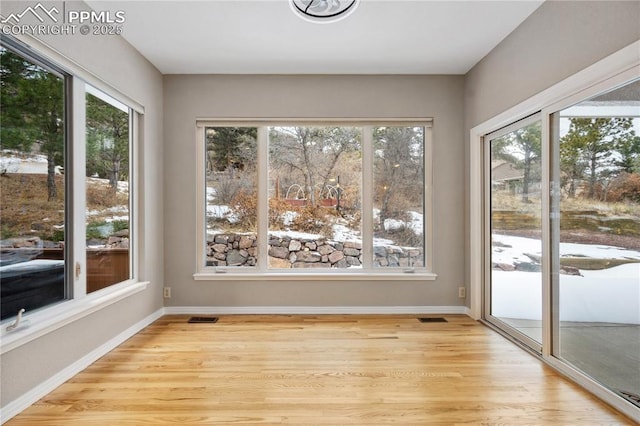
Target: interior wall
(559,39)
(189,97)
(116,62)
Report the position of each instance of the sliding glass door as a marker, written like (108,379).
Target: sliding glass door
(595,238)
(513,230)
(562,236)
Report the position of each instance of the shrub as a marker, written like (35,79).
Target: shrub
(625,187)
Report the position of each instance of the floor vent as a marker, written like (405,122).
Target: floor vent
(208,320)
(633,398)
(439,319)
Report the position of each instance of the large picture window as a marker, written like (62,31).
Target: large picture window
(314,197)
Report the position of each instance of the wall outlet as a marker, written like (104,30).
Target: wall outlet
(167,293)
(462,292)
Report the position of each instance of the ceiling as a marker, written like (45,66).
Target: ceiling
(266,37)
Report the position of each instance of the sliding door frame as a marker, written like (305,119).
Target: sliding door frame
(487,235)
(610,72)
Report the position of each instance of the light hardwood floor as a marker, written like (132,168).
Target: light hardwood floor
(339,370)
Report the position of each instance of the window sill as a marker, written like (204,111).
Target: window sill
(52,318)
(313,276)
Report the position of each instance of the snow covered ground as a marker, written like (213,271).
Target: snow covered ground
(609,295)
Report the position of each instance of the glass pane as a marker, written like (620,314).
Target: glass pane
(398,199)
(315,197)
(32,192)
(231,196)
(516,244)
(107,181)
(598,281)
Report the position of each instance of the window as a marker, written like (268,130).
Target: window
(34,198)
(108,148)
(66,151)
(319,197)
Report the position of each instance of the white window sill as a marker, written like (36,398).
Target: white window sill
(227,275)
(46,320)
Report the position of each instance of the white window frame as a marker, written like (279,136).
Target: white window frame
(205,273)
(80,304)
(616,69)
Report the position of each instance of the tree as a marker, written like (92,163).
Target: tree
(32,111)
(107,141)
(593,142)
(230,148)
(521,147)
(398,168)
(311,154)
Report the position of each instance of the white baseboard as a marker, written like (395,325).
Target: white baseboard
(316,310)
(16,406)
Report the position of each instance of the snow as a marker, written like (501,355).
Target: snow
(415,222)
(222,212)
(609,295)
(295,235)
(518,246)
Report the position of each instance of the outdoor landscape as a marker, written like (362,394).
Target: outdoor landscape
(315,197)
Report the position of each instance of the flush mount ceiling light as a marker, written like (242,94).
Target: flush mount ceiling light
(323,11)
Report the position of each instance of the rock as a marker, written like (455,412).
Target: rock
(503,267)
(380,251)
(339,246)
(279,252)
(293,257)
(311,245)
(351,252)
(353,244)
(325,249)
(353,261)
(382,261)
(219,248)
(234,258)
(113,240)
(245,242)
(342,263)
(295,245)
(220,256)
(308,256)
(570,270)
(276,263)
(336,256)
(221,239)
(528,267)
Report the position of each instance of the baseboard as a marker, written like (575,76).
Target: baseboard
(16,406)
(317,310)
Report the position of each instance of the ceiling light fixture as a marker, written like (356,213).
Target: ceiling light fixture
(323,11)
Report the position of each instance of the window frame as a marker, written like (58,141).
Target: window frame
(262,272)
(79,303)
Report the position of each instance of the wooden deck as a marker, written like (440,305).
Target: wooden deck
(318,370)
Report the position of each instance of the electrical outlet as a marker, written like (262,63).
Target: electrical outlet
(462,292)
(167,293)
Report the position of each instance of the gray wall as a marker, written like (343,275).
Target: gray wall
(559,39)
(188,97)
(120,65)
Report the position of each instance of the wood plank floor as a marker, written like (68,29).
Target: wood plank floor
(318,370)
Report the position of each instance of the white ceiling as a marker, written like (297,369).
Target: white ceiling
(266,37)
